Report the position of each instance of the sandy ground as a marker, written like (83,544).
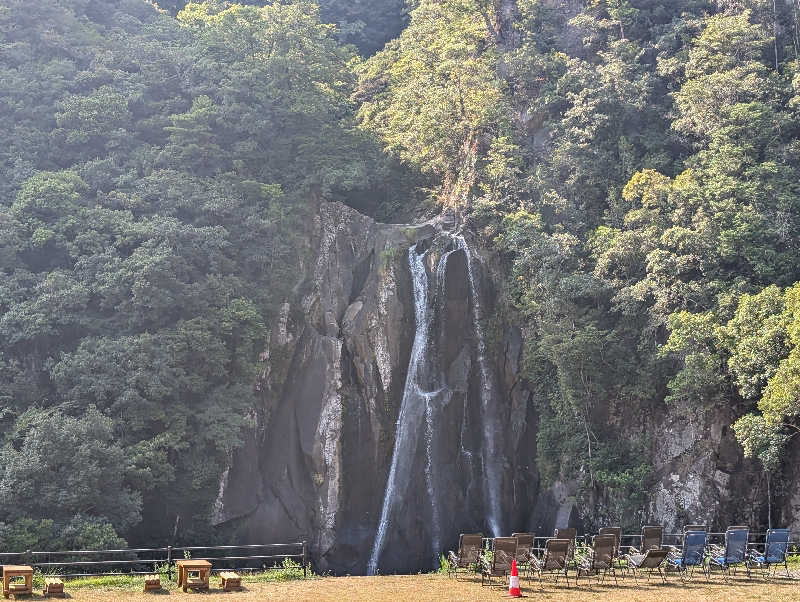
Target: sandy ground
(439,588)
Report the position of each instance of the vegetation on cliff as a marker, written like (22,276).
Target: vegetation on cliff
(634,161)
(156,177)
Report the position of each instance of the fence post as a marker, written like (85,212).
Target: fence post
(169,563)
(305,560)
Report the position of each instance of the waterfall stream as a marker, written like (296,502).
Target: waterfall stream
(412,411)
(492,463)
(424,396)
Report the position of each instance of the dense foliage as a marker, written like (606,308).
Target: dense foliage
(634,162)
(155,178)
(368,24)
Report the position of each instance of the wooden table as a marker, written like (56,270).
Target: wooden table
(13,570)
(203,569)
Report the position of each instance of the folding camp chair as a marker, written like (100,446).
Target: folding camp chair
(504,551)
(732,554)
(554,560)
(468,555)
(600,559)
(775,549)
(692,556)
(524,550)
(569,533)
(652,538)
(617,533)
(652,560)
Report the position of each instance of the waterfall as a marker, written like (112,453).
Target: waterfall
(434,402)
(492,463)
(412,408)
(219,503)
(424,396)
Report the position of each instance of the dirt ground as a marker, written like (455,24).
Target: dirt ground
(440,588)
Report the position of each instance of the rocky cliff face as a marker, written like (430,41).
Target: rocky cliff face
(319,456)
(394,418)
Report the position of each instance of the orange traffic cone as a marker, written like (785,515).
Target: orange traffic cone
(513,581)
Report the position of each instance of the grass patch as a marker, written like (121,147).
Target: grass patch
(288,571)
(438,588)
(132,582)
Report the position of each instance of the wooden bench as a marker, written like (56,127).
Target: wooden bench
(53,586)
(230,581)
(152,582)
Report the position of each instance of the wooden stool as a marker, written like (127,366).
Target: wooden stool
(53,586)
(152,582)
(231,581)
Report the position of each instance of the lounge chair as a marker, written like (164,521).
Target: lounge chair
(468,556)
(675,551)
(617,533)
(652,560)
(554,560)
(505,550)
(775,548)
(732,554)
(524,549)
(600,560)
(652,538)
(692,556)
(567,533)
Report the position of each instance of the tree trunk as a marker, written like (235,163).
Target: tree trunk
(769,504)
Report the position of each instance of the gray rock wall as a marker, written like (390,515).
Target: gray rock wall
(316,460)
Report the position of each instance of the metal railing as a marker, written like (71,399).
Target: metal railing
(68,563)
(630,540)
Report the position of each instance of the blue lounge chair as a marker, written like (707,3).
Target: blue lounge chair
(775,549)
(733,554)
(693,554)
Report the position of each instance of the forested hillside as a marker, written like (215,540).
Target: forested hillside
(368,24)
(634,164)
(637,164)
(155,176)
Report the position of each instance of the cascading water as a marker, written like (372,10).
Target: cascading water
(412,408)
(491,460)
(424,396)
(433,407)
